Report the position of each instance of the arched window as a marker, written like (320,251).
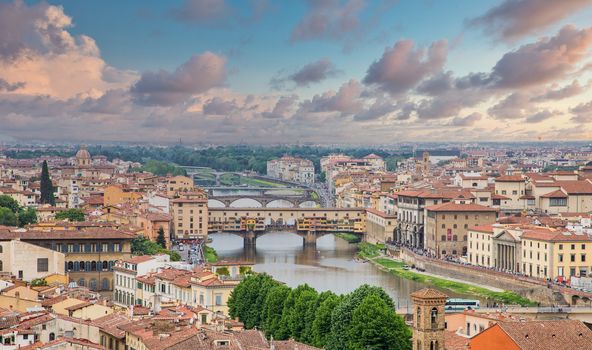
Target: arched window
(105,265)
(93,284)
(81,282)
(70,266)
(455,238)
(76,266)
(51,336)
(93,266)
(105,284)
(82,266)
(111,263)
(1,266)
(434,345)
(434,317)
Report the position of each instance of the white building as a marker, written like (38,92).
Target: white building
(291,169)
(126,271)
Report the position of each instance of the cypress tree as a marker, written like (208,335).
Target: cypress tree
(46,186)
(160,239)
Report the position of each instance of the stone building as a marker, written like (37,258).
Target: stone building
(447,225)
(428,319)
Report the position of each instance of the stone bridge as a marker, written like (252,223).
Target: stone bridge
(264,198)
(281,219)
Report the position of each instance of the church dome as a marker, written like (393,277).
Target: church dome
(82,153)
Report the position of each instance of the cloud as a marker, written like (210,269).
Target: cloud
(543,61)
(541,116)
(513,19)
(199,74)
(567,91)
(582,113)
(377,110)
(514,106)
(402,67)
(311,73)
(6,86)
(469,120)
(219,106)
(282,108)
(37,50)
(201,11)
(115,102)
(346,100)
(328,19)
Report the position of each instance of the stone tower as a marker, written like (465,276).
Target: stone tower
(428,319)
(426,161)
(83,158)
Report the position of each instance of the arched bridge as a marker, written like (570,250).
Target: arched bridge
(263,198)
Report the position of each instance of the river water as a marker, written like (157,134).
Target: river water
(328,266)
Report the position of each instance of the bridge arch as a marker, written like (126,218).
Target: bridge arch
(308,204)
(245,203)
(280,203)
(214,203)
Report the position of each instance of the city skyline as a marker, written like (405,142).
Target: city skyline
(330,71)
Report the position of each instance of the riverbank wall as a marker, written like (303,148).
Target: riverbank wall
(538,293)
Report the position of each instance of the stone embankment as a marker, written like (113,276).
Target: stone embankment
(539,293)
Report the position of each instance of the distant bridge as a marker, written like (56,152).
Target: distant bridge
(280,218)
(263,197)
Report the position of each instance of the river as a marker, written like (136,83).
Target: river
(328,266)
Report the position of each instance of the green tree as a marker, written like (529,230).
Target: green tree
(27,216)
(160,239)
(9,202)
(342,315)
(295,307)
(37,282)
(143,246)
(223,271)
(376,326)
(247,299)
(46,186)
(7,217)
(273,308)
(72,214)
(321,326)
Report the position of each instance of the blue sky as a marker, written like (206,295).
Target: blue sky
(222,70)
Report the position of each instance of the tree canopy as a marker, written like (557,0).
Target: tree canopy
(47,189)
(143,246)
(366,316)
(72,214)
(12,214)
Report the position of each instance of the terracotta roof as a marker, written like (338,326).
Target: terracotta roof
(454,341)
(549,335)
(555,194)
(138,259)
(451,206)
(482,228)
(576,186)
(428,293)
(79,306)
(97,233)
(551,235)
(509,178)
(110,324)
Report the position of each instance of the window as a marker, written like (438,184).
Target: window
(443,238)
(218,299)
(42,265)
(573,246)
(434,317)
(560,246)
(558,202)
(560,257)
(583,256)
(572,257)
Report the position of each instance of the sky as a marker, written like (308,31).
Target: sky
(319,71)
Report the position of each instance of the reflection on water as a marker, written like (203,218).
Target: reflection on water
(328,266)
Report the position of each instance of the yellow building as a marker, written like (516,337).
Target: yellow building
(550,253)
(512,187)
(28,261)
(178,184)
(116,194)
(190,217)
(447,225)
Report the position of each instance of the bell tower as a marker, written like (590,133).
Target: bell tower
(428,319)
(426,161)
